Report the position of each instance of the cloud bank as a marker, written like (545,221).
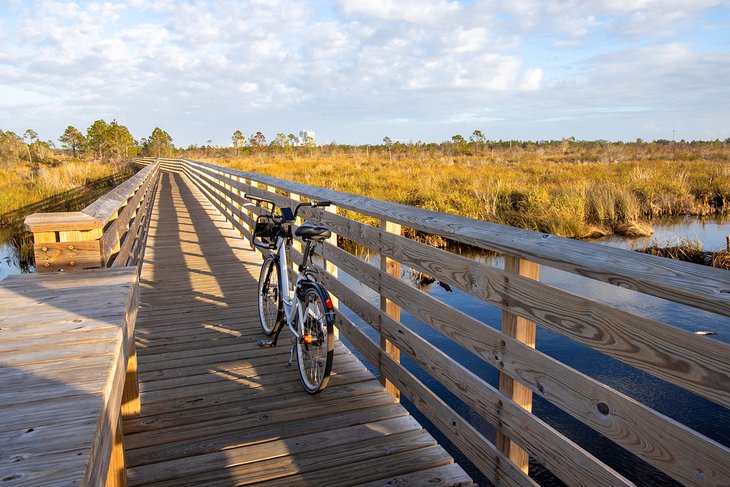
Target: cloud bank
(355,71)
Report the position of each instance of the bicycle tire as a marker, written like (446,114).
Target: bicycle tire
(315,353)
(269,297)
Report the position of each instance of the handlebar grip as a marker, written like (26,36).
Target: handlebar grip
(320,203)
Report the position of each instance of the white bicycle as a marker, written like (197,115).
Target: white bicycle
(308,310)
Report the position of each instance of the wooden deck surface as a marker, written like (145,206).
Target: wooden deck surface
(64,342)
(217,410)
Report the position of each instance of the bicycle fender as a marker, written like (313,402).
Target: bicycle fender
(324,295)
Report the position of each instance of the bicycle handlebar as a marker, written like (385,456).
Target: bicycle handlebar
(312,203)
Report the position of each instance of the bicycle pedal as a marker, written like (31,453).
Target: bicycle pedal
(266,343)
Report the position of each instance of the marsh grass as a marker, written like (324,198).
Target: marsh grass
(68,186)
(690,250)
(581,192)
(22,185)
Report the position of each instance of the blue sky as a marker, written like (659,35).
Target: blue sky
(356,71)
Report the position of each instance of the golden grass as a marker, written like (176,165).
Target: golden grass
(567,194)
(21,185)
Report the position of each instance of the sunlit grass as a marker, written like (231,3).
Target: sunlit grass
(569,194)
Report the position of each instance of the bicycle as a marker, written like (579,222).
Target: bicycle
(308,311)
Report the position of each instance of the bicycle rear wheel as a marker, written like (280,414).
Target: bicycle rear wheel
(316,345)
(269,296)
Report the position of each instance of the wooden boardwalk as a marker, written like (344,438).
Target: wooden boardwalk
(217,410)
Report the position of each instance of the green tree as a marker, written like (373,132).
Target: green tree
(239,140)
(111,140)
(121,142)
(74,140)
(258,140)
(97,138)
(11,146)
(31,135)
(280,141)
(159,144)
(477,138)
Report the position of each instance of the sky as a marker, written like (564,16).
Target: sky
(355,71)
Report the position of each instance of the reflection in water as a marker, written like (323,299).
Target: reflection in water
(712,232)
(9,264)
(697,413)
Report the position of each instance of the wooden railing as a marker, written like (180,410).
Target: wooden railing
(110,232)
(699,364)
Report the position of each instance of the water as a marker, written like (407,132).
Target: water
(712,232)
(9,264)
(697,413)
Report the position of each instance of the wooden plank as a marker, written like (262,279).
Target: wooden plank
(637,340)
(316,461)
(444,476)
(630,424)
(131,404)
(104,208)
(61,221)
(523,331)
(254,430)
(561,456)
(188,466)
(391,267)
(395,464)
(698,286)
(117,473)
(54,256)
(228,399)
(482,453)
(61,394)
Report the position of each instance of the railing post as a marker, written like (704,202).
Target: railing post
(295,197)
(524,331)
(329,266)
(65,241)
(248,212)
(392,267)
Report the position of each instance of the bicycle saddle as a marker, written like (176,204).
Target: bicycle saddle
(310,231)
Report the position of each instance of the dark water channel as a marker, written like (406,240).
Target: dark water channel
(699,414)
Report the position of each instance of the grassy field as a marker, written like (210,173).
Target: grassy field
(58,186)
(576,191)
(22,184)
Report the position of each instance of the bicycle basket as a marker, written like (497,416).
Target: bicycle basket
(266,230)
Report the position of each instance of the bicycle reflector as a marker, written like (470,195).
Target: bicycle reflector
(329,304)
(308,338)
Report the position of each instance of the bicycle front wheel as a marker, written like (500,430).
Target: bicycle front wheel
(269,301)
(316,345)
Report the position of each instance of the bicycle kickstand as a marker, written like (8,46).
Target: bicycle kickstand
(291,354)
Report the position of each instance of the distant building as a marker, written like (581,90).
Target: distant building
(306,137)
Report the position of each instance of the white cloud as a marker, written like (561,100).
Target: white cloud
(379,61)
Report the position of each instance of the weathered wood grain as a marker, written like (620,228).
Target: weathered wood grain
(205,399)
(627,422)
(483,454)
(699,364)
(560,455)
(61,393)
(700,286)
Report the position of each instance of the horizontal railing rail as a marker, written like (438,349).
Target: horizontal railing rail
(696,363)
(110,232)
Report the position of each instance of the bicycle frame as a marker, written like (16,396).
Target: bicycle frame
(289,300)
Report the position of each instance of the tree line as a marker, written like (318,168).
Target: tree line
(113,141)
(102,141)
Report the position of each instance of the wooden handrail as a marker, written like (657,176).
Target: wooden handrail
(699,364)
(109,232)
(698,286)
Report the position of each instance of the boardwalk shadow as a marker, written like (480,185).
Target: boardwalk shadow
(217,410)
